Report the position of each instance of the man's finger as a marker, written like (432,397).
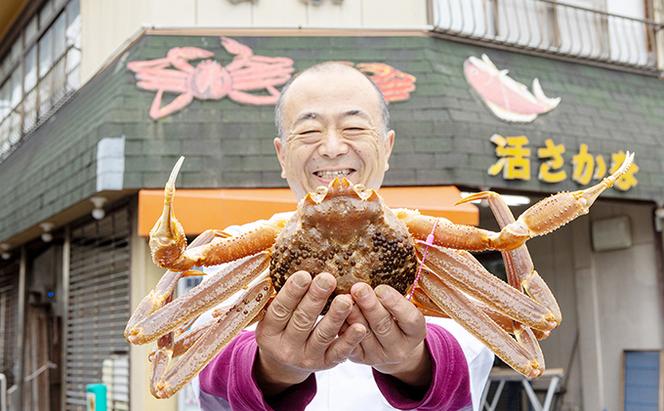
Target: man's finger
(327,329)
(380,320)
(340,349)
(370,348)
(408,318)
(356,317)
(280,310)
(358,355)
(305,315)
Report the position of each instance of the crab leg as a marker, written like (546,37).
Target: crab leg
(166,285)
(168,241)
(528,339)
(551,213)
(479,324)
(542,218)
(446,233)
(204,296)
(521,275)
(521,271)
(425,305)
(461,269)
(169,378)
(188,337)
(428,307)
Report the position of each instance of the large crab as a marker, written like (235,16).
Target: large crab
(348,231)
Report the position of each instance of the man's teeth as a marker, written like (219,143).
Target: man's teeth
(329,174)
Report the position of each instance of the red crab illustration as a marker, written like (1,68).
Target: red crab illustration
(396,85)
(209,80)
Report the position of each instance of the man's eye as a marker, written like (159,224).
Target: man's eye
(308,136)
(354,131)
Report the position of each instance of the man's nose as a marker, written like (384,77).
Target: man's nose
(334,145)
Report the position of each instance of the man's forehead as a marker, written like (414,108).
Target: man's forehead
(338,93)
(336,78)
(313,115)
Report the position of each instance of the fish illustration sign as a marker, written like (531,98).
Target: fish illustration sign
(507,99)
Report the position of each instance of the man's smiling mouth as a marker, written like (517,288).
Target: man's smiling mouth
(332,174)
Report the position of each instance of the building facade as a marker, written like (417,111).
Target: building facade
(91,122)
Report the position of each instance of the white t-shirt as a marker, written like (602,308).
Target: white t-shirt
(356,380)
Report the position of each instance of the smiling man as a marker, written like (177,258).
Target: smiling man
(333,128)
(333,122)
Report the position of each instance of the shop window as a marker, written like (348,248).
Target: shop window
(31,31)
(59,36)
(16,91)
(73,79)
(15,123)
(40,69)
(30,107)
(30,69)
(58,82)
(46,14)
(5,105)
(45,91)
(73,31)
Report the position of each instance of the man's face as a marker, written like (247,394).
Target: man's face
(333,125)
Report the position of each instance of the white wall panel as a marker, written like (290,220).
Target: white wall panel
(329,14)
(107,24)
(215,13)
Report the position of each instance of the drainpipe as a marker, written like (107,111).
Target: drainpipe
(659,240)
(66,253)
(20,332)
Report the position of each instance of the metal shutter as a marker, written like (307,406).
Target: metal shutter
(8,318)
(98,307)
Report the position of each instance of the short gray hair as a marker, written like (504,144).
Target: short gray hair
(328,66)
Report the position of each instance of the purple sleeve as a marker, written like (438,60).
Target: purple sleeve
(450,381)
(230,376)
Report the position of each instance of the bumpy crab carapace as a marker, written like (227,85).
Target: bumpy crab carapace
(348,231)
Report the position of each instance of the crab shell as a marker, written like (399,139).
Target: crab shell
(345,230)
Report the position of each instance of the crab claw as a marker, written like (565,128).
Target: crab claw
(556,211)
(235,47)
(587,197)
(550,213)
(188,53)
(167,238)
(511,236)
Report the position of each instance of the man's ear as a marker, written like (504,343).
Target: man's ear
(281,153)
(389,144)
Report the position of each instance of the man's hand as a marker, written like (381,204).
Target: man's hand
(396,344)
(291,345)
